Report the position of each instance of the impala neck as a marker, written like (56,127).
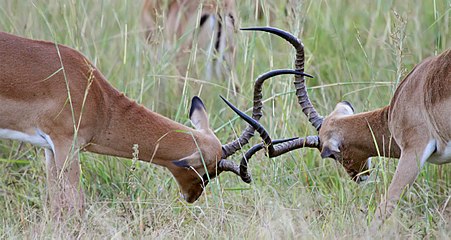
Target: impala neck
(159,139)
(372,134)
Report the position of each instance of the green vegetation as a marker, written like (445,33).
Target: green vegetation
(357,51)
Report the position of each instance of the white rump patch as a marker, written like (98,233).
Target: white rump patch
(39,138)
(432,156)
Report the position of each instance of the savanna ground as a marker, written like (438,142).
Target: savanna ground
(357,51)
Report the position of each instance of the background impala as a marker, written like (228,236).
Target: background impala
(357,52)
(203,33)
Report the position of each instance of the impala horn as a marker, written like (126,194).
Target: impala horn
(299,81)
(230,148)
(284,146)
(254,125)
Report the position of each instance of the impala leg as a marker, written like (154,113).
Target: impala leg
(63,179)
(406,173)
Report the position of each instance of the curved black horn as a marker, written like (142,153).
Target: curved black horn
(248,133)
(254,123)
(307,108)
(227,165)
(244,174)
(283,146)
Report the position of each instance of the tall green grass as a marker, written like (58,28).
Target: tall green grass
(357,51)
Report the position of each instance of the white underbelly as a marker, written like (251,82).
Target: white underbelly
(441,157)
(39,138)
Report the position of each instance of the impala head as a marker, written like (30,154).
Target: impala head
(193,172)
(334,134)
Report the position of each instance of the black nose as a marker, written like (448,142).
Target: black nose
(327,153)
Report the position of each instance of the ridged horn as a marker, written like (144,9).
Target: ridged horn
(248,133)
(299,81)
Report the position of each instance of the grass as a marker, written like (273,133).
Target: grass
(357,51)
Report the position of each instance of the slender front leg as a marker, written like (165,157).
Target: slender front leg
(406,173)
(63,179)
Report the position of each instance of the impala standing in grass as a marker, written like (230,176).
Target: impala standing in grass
(206,29)
(415,127)
(52,96)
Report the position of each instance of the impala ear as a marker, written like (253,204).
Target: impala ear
(329,152)
(189,161)
(345,107)
(198,114)
(349,105)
